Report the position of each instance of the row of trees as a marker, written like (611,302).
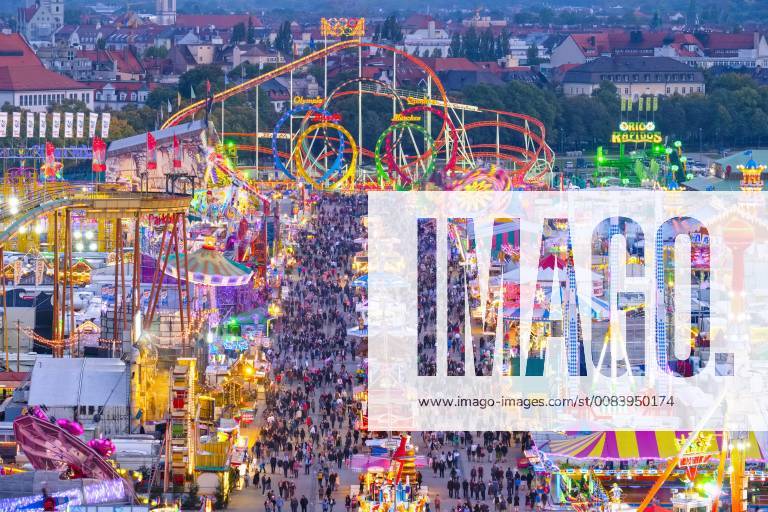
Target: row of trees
(479,47)
(733,113)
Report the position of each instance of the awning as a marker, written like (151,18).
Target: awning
(634,445)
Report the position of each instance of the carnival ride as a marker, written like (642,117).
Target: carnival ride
(322,152)
(55,446)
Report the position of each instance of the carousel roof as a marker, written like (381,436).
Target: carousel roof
(209,267)
(640,444)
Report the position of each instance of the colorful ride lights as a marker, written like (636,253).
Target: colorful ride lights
(85,239)
(13,205)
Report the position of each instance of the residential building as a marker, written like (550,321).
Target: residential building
(40,19)
(26,83)
(83,65)
(254,54)
(701,49)
(635,77)
(118,95)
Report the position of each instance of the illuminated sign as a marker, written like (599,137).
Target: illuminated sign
(301,100)
(411,100)
(640,132)
(400,118)
(323,118)
(342,27)
(628,126)
(636,137)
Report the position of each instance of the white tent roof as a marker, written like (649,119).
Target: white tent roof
(68,382)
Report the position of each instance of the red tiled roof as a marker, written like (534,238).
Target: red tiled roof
(127,62)
(21,70)
(220,21)
(723,41)
(451,64)
(416,21)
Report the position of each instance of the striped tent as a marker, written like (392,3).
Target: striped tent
(642,444)
(209,267)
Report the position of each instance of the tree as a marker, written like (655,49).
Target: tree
(471,44)
(191,500)
(487,45)
(656,21)
(156,52)
(161,96)
(196,78)
(532,55)
(251,31)
(455,49)
(502,44)
(238,33)
(284,39)
(391,30)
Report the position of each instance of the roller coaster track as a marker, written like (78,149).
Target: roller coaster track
(102,200)
(539,159)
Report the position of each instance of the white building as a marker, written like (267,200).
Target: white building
(426,41)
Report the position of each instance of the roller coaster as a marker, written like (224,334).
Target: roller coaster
(411,153)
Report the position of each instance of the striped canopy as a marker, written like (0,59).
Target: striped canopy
(209,267)
(634,445)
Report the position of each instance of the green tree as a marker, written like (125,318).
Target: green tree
(471,44)
(156,52)
(161,96)
(284,39)
(487,45)
(239,33)
(532,55)
(191,500)
(196,78)
(251,31)
(455,49)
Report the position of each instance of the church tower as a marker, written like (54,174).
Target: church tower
(166,12)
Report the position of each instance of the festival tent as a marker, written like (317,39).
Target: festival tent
(634,445)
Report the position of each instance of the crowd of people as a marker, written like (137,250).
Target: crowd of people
(309,421)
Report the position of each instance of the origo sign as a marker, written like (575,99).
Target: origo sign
(636,132)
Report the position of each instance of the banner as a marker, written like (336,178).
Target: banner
(151,151)
(43,127)
(93,119)
(16,125)
(69,121)
(39,271)
(99,155)
(176,153)
(105,118)
(80,125)
(30,125)
(18,269)
(3,124)
(55,124)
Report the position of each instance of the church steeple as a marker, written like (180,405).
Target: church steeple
(166,12)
